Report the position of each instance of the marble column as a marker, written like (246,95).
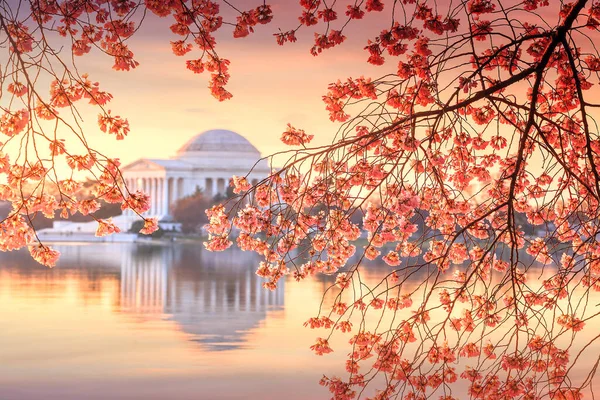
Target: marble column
(159,197)
(174,193)
(179,189)
(214,187)
(152,196)
(169,194)
(165,196)
(185,187)
(156,197)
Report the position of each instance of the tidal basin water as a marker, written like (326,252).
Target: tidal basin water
(125,322)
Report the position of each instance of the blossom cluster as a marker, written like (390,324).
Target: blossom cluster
(443,182)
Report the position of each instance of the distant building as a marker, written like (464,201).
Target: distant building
(206,162)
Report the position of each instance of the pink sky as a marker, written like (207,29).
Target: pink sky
(272,85)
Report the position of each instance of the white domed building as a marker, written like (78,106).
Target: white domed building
(206,162)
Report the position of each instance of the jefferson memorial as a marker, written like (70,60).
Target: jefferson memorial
(206,162)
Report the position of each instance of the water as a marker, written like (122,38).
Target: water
(121,321)
(124,321)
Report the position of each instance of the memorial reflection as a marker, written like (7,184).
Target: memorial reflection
(155,322)
(214,297)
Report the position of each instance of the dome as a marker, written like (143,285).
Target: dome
(218,140)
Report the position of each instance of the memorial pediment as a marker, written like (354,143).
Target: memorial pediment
(143,165)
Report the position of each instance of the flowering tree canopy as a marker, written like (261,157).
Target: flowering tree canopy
(481,128)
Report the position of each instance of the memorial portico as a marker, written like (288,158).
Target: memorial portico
(206,162)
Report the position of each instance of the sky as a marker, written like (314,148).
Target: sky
(272,85)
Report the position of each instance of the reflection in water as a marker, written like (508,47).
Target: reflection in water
(214,297)
(129,322)
(126,321)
